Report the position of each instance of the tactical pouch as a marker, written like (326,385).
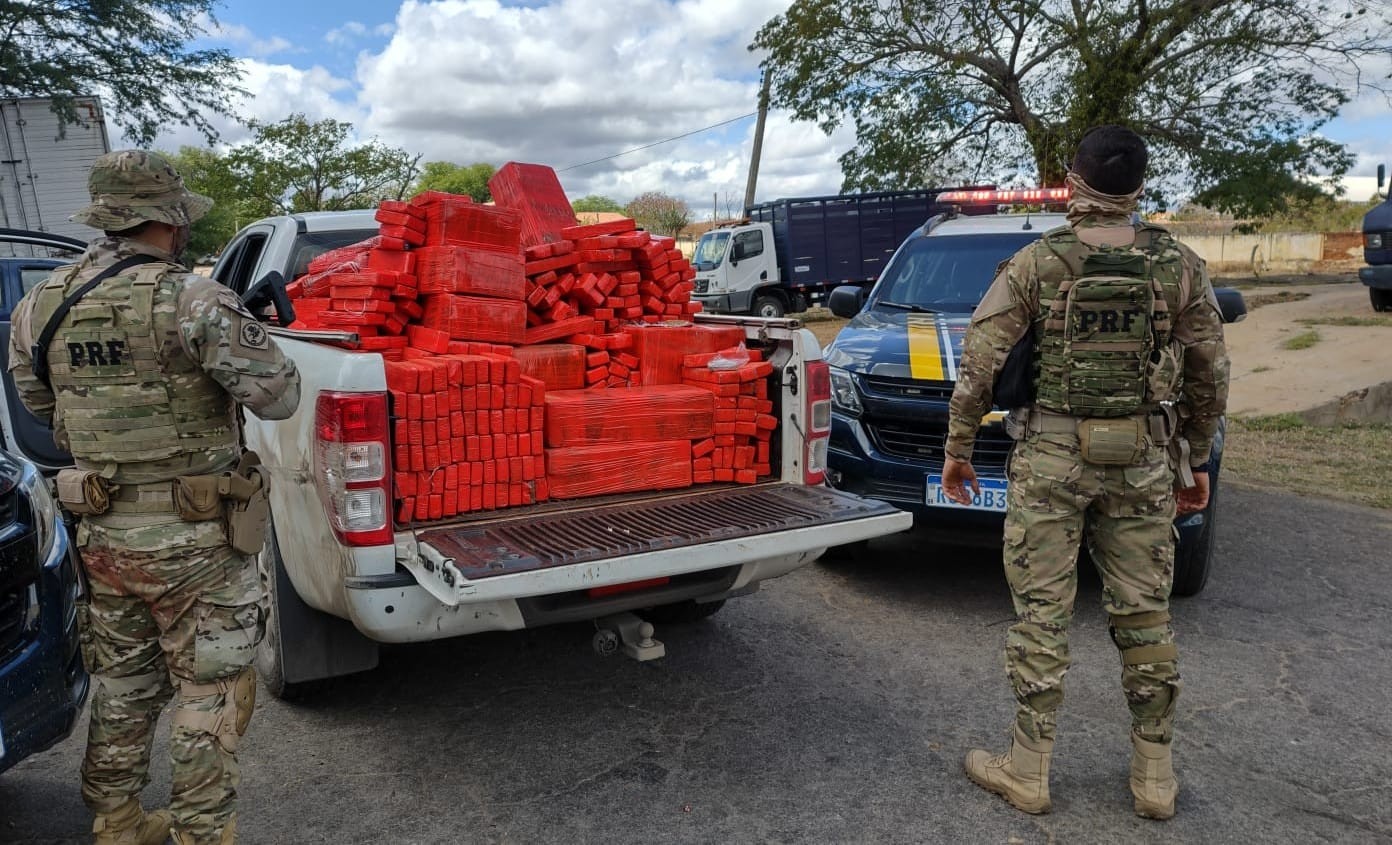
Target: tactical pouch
(83,492)
(197,497)
(1119,441)
(248,509)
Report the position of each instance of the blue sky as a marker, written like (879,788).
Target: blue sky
(562,82)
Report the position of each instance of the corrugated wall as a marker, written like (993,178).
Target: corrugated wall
(43,172)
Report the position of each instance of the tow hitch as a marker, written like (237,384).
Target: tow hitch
(626,630)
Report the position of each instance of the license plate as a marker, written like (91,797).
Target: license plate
(991,497)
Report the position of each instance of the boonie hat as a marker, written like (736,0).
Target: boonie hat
(129,187)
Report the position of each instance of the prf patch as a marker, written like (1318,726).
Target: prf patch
(254,335)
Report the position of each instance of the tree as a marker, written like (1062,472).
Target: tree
(295,165)
(135,53)
(596,202)
(470,180)
(210,173)
(659,212)
(1229,94)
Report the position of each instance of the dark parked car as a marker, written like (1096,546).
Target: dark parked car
(42,682)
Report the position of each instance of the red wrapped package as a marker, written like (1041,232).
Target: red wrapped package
(536,194)
(574,472)
(594,230)
(481,272)
(660,349)
(455,223)
(477,318)
(560,366)
(668,412)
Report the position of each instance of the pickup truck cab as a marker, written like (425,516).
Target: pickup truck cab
(344,576)
(893,369)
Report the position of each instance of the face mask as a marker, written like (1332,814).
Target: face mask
(181,242)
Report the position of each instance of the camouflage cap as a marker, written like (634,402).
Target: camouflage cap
(129,187)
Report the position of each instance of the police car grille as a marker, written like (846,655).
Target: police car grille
(13,605)
(885,386)
(904,440)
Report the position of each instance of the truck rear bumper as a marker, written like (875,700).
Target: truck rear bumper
(453,594)
(1376,276)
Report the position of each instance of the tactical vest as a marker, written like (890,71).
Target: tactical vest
(1104,327)
(132,403)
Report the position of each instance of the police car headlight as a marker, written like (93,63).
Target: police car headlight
(45,511)
(843,391)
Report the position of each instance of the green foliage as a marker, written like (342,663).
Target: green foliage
(1304,340)
(1322,213)
(135,53)
(1274,422)
(210,173)
(1229,96)
(471,180)
(659,213)
(596,202)
(1347,320)
(295,165)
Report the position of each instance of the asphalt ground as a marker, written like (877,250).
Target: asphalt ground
(836,706)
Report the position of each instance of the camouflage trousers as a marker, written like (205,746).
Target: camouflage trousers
(171,604)
(1125,514)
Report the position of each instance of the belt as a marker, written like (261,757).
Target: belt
(1041,421)
(155,497)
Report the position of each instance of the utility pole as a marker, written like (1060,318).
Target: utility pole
(758,143)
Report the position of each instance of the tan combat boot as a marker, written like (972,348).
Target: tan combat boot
(1020,775)
(1152,779)
(131,825)
(228,837)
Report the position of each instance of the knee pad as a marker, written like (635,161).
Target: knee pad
(228,722)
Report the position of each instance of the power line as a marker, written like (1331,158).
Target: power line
(663,141)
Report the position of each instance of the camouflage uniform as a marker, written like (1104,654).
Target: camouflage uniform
(1056,499)
(172,603)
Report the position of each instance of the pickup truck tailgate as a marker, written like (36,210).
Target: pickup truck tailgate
(657,535)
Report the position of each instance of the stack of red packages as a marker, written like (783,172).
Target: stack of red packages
(744,420)
(476,288)
(469,435)
(624,440)
(609,361)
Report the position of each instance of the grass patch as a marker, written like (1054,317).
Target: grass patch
(1262,369)
(1304,340)
(1346,320)
(1343,462)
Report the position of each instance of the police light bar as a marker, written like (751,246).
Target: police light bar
(1005,197)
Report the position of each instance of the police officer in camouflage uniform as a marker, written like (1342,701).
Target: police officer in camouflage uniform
(1124,319)
(145,376)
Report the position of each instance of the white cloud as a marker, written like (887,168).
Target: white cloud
(572,81)
(346,33)
(244,39)
(274,91)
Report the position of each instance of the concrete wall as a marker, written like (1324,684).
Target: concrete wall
(1285,252)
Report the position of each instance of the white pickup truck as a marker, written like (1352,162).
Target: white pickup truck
(339,588)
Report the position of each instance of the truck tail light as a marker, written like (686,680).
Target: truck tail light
(818,410)
(353,466)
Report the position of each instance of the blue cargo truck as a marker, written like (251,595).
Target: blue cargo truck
(1377,249)
(789,254)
